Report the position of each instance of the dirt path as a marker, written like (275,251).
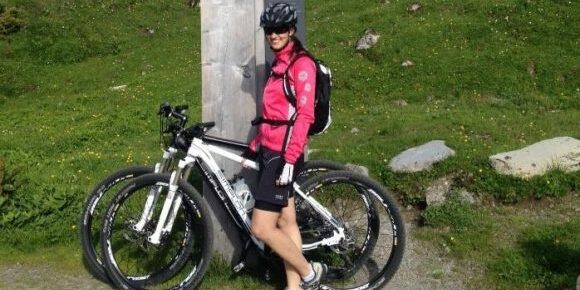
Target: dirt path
(16,277)
(424,267)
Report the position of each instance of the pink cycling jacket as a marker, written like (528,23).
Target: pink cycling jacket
(275,105)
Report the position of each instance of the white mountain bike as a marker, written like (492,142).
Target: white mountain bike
(172,123)
(157,232)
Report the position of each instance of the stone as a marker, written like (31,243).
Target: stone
(532,69)
(369,38)
(407,63)
(118,88)
(357,169)
(436,193)
(467,196)
(354,130)
(421,157)
(414,8)
(400,103)
(538,158)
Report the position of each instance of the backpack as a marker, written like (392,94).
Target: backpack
(322,118)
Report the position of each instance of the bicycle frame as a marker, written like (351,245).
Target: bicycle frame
(200,154)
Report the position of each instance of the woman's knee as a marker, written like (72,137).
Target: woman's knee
(287,223)
(259,231)
(262,229)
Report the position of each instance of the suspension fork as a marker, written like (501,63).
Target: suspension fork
(172,203)
(154,191)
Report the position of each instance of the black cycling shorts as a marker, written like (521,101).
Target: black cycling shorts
(268,195)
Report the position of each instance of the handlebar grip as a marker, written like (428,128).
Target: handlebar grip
(199,129)
(208,124)
(164,109)
(181,108)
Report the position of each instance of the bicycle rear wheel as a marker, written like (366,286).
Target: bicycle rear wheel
(179,262)
(92,214)
(374,228)
(314,168)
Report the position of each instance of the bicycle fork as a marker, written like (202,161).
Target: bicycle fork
(171,205)
(154,191)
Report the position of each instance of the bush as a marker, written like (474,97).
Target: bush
(1,173)
(10,21)
(455,213)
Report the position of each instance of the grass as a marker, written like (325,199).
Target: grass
(489,76)
(533,246)
(546,257)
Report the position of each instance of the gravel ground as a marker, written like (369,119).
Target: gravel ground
(423,269)
(17,276)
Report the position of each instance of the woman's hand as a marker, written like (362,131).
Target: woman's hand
(286,176)
(248,154)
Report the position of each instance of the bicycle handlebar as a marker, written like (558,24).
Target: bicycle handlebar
(182,137)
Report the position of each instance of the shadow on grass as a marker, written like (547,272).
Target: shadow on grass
(557,257)
(545,257)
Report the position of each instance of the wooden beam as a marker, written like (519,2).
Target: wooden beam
(234,66)
(232,53)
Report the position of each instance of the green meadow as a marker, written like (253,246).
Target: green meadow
(81,80)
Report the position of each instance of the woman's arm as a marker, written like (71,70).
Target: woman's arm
(303,80)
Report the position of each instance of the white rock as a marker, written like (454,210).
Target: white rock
(367,40)
(118,88)
(437,191)
(536,159)
(400,103)
(407,63)
(421,157)
(357,168)
(413,8)
(467,196)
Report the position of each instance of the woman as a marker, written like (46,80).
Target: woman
(280,147)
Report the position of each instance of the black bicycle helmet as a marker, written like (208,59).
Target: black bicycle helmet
(278,15)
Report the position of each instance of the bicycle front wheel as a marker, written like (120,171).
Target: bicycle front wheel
(375,238)
(182,257)
(93,210)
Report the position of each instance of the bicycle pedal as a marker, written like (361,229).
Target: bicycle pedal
(239,267)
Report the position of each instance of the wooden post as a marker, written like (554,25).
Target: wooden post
(233,59)
(232,81)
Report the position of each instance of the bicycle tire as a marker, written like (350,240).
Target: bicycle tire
(128,256)
(375,261)
(313,168)
(91,213)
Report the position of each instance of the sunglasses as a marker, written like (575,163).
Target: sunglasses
(277,30)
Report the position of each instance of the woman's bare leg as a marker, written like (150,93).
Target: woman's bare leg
(265,228)
(287,223)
